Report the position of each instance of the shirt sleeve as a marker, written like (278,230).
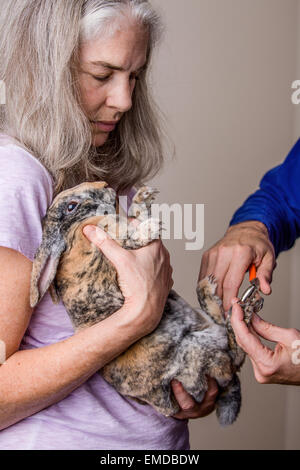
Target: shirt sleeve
(277,202)
(25,194)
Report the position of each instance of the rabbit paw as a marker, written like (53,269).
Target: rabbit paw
(141,203)
(146,195)
(209,301)
(144,233)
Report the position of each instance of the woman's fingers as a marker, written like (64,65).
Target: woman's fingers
(144,276)
(184,400)
(104,242)
(190,409)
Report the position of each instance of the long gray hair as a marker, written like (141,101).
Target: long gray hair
(39,50)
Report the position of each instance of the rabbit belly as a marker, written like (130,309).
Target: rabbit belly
(184,346)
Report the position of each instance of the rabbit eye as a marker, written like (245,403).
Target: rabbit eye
(71,206)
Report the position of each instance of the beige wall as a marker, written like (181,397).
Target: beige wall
(292,405)
(223,78)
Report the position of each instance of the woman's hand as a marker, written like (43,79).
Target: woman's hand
(190,409)
(280,366)
(229,259)
(144,277)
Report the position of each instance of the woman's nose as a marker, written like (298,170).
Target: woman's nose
(120,97)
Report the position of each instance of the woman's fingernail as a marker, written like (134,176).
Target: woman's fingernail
(89,230)
(101,234)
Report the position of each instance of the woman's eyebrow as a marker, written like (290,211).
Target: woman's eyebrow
(114,67)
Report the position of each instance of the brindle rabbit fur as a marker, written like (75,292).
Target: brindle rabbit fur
(189,344)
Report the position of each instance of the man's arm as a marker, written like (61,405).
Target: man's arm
(266,224)
(277,203)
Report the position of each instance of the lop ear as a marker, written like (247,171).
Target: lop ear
(45,265)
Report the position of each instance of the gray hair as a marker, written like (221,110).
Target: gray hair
(39,49)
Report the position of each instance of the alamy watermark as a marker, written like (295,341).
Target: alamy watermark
(188,223)
(296,95)
(2,92)
(2,352)
(296,354)
(176,221)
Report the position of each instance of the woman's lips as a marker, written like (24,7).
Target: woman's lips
(105,126)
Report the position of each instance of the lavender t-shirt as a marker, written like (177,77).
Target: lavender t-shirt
(94,416)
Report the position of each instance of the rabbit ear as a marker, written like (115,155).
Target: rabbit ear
(54,294)
(44,267)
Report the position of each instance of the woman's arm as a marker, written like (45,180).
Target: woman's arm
(31,380)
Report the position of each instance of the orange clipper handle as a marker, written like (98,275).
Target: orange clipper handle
(252,272)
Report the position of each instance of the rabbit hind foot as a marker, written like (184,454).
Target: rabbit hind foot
(210,303)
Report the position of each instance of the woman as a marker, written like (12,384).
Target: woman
(77,109)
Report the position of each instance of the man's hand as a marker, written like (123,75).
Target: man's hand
(229,259)
(190,409)
(279,366)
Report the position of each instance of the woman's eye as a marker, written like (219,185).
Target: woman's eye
(71,206)
(103,79)
(107,77)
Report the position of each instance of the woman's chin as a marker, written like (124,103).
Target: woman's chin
(100,139)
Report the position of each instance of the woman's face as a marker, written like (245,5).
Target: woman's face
(107,77)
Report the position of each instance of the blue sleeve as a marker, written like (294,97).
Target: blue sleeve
(277,203)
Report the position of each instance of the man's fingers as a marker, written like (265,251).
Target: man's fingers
(233,280)
(264,273)
(229,270)
(246,340)
(250,327)
(265,285)
(271,332)
(211,263)
(203,267)
(222,264)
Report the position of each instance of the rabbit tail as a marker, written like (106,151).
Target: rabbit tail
(229,402)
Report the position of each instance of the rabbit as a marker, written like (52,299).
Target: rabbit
(189,344)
